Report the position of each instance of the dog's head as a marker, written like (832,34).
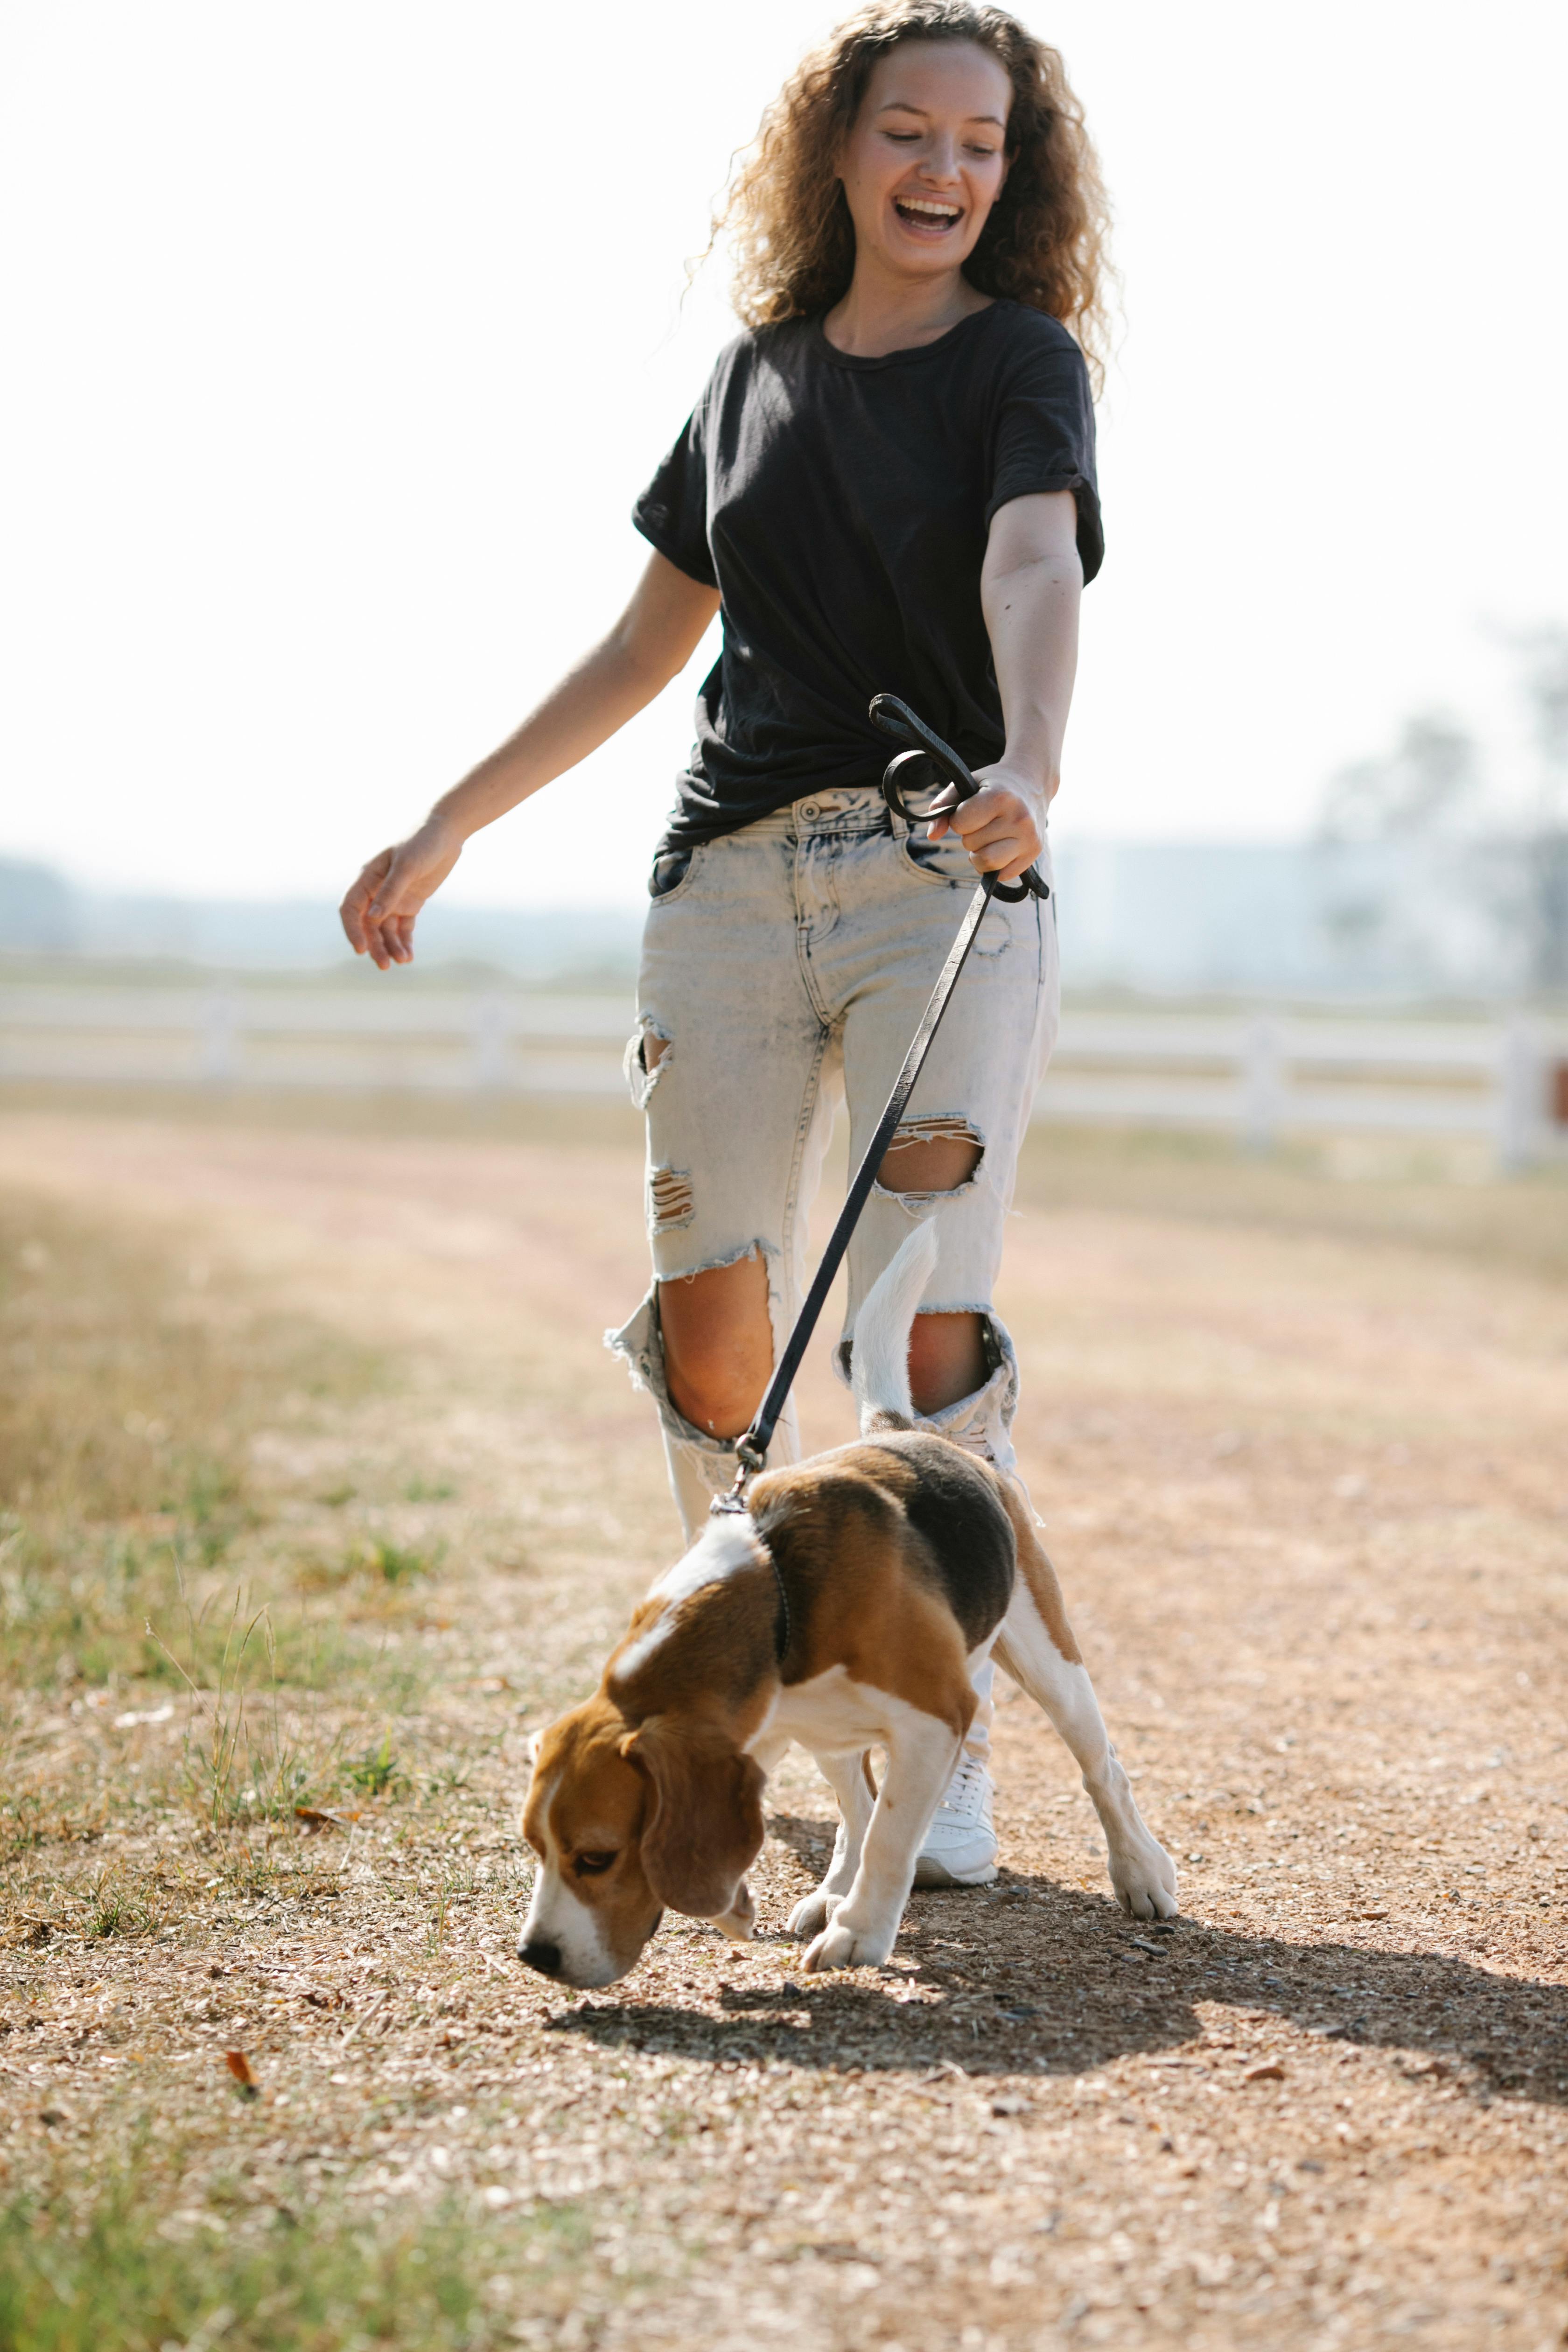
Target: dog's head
(625,1821)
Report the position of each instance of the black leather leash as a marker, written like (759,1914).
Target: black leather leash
(936,761)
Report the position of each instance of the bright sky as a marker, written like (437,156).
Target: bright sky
(341,338)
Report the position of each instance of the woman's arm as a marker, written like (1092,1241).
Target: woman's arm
(1029,591)
(653,641)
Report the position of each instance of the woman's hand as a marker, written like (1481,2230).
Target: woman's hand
(379,912)
(654,639)
(1002,827)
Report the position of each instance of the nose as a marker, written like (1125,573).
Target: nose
(545,1957)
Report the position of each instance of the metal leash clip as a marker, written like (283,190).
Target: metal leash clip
(931,760)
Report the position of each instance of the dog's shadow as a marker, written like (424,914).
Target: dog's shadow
(1032,1978)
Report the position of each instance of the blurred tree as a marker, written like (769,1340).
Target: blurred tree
(1386,830)
(1420,788)
(1543,655)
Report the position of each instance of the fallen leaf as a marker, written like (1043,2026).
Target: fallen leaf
(239,2065)
(1272,2072)
(316,1818)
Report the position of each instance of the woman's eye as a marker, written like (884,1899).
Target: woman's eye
(590,1865)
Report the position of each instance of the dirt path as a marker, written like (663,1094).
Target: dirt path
(1310,1501)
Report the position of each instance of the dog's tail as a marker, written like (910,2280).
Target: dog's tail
(880,1356)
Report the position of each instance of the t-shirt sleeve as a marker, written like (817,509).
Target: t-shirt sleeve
(672,512)
(1043,439)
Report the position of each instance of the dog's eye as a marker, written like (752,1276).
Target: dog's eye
(590,1865)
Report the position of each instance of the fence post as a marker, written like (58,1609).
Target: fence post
(1520,1079)
(219,1038)
(489,1069)
(1262,1082)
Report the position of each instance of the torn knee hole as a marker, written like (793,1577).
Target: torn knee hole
(930,1156)
(648,1057)
(671,1201)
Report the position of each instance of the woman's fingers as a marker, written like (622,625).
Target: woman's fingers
(393,914)
(354,913)
(1000,831)
(380,910)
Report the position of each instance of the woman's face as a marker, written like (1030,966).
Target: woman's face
(924,162)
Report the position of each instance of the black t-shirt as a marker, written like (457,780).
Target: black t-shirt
(840,506)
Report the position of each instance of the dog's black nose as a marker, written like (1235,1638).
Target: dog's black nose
(545,1957)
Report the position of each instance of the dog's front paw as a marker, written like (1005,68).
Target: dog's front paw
(741,1918)
(842,1948)
(1144,1877)
(813,1912)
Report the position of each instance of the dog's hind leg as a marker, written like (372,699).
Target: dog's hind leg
(850,1778)
(1036,1648)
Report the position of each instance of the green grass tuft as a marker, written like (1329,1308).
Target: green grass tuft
(376,1771)
(117,2275)
(398,1563)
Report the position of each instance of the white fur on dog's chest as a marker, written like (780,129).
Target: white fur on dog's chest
(833,1716)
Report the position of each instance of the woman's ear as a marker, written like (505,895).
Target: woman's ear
(704,1826)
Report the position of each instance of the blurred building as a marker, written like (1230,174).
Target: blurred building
(1321,918)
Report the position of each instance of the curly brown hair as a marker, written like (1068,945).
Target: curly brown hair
(1044,241)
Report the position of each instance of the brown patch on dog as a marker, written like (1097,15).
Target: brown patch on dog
(704,1827)
(715,1652)
(1038,1573)
(864,1594)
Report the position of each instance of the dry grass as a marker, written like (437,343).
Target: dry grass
(343,1385)
(1439,1196)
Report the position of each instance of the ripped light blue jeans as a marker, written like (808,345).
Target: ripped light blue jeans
(784,967)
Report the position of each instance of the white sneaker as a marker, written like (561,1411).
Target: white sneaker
(960,1847)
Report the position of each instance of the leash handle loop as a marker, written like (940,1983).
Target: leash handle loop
(928,750)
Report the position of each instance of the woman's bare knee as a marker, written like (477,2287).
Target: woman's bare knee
(947,1352)
(940,1163)
(947,1359)
(718,1344)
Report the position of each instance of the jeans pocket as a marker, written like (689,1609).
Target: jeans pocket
(946,864)
(672,871)
(943,864)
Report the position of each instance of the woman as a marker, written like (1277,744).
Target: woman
(887,484)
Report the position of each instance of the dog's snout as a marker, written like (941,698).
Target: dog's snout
(545,1957)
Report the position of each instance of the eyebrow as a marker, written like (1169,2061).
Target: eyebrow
(903,106)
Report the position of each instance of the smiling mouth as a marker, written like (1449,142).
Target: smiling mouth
(927,213)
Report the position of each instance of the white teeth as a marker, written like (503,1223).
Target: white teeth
(919,205)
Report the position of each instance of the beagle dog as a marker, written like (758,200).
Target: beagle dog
(844,1607)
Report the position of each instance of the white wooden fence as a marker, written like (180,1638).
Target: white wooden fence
(1259,1075)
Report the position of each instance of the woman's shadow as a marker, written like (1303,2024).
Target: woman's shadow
(1032,1978)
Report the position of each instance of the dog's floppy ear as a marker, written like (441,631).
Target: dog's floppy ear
(704,1826)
